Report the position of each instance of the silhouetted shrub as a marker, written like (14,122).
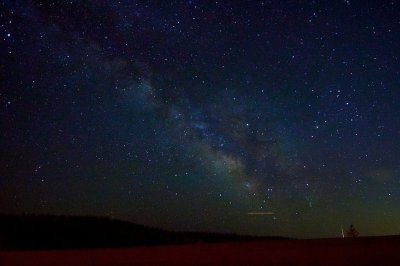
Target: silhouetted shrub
(352,232)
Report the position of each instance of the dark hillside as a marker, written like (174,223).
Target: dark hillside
(78,232)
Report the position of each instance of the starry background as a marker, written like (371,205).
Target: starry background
(189,115)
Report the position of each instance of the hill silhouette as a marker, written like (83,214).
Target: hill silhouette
(48,232)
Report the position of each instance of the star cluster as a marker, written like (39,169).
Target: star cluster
(189,115)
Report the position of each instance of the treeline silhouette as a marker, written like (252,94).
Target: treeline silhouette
(47,232)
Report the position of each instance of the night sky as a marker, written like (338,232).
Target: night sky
(250,117)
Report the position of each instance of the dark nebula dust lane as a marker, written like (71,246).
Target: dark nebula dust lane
(251,117)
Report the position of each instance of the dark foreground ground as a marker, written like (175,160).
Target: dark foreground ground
(360,251)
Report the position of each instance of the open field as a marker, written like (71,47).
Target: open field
(358,251)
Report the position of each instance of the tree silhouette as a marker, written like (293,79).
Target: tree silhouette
(352,232)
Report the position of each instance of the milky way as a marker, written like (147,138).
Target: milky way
(191,115)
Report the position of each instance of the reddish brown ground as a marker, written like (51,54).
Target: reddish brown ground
(361,251)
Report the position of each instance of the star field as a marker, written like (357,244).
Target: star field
(191,115)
